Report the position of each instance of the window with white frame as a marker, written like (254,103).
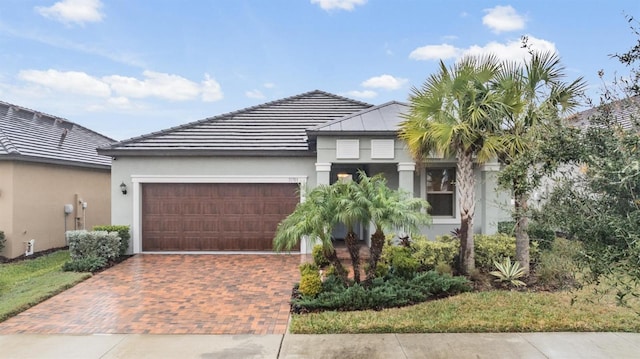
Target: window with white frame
(441,191)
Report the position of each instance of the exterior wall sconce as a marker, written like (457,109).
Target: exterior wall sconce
(345,177)
(123,188)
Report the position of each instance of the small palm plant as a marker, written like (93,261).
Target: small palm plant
(509,272)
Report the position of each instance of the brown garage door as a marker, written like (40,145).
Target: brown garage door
(214,216)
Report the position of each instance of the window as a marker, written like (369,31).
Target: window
(441,191)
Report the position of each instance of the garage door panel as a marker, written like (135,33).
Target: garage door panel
(214,216)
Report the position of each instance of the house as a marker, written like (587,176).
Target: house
(51,180)
(224,183)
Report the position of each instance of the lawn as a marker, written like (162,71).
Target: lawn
(489,311)
(26,283)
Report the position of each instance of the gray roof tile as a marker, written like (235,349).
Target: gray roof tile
(625,112)
(33,136)
(274,126)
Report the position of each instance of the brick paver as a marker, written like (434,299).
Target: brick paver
(172,294)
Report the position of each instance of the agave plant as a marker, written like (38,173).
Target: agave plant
(509,272)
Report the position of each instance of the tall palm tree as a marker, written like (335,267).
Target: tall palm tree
(454,114)
(389,209)
(314,218)
(535,96)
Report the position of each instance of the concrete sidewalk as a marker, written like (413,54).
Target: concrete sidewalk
(370,346)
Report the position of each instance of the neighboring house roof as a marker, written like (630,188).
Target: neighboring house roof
(383,119)
(273,128)
(29,135)
(625,112)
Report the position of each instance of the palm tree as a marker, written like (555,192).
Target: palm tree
(454,114)
(314,218)
(534,96)
(389,209)
(351,208)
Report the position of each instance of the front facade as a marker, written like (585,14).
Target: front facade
(224,183)
(51,180)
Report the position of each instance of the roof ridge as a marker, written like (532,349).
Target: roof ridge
(41,114)
(230,115)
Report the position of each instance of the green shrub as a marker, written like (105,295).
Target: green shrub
(399,260)
(558,266)
(318,256)
(507,227)
(85,264)
(542,234)
(495,247)
(2,240)
(102,244)
(431,254)
(382,293)
(123,233)
(308,268)
(491,248)
(310,284)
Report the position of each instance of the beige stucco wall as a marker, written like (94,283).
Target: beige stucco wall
(36,206)
(6,198)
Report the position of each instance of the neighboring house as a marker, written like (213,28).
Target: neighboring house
(51,179)
(224,183)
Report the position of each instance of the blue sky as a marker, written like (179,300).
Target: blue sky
(126,68)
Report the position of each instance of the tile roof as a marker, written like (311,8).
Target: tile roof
(277,127)
(625,112)
(34,136)
(381,119)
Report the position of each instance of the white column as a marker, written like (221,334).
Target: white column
(405,176)
(490,198)
(323,173)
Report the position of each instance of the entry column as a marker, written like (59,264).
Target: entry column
(323,173)
(405,176)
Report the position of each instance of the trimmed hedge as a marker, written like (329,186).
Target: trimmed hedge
(2,240)
(123,233)
(101,244)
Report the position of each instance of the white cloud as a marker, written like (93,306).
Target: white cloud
(254,94)
(511,50)
(269,85)
(211,90)
(435,52)
(67,81)
(503,18)
(153,84)
(73,11)
(362,94)
(386,82)
(338,4)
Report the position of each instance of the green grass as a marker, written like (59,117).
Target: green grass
(26,283)
(491,311)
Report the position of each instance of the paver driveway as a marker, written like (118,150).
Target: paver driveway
(172,294)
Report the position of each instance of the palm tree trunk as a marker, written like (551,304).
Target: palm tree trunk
(352,245)
(377,243)
(331,255)
(522,237)
(466,185)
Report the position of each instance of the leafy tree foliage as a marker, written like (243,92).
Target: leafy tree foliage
(600,204)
